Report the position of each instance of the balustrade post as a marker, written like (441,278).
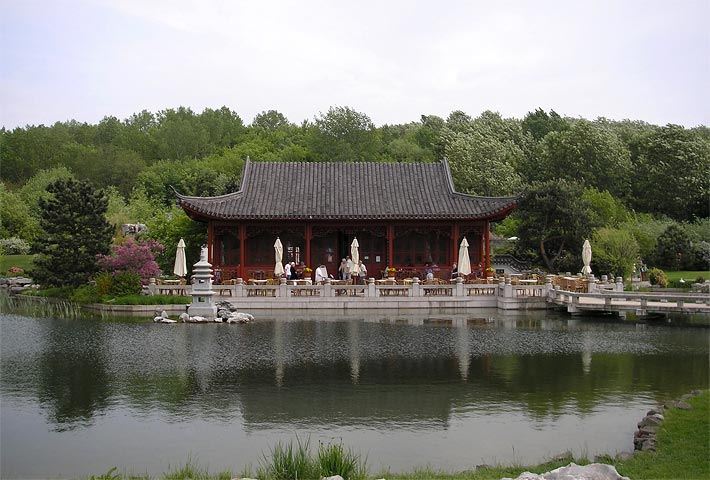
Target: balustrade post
(152,286)
(239,290)
(328,288)
(619,287)
(282,291)
(416,287)
(458,290)
(371,290)
(591,283)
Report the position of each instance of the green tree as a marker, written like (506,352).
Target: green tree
(483,153)
(539,123)
(674,248)
(673,173)
(168,227)
(588,153)
(16,219)
(605,208)
(554,221)
(75,231)
(270,120)
(180,135)
(614,251)
(344,134)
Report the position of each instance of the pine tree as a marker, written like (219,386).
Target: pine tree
(75,231)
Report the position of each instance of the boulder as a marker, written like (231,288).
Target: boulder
(223,313)
(164,314)
(655,411)
(197,319)
(334,477)
(184,317)
(650,421)
(167,320)
(218,320)
(648,445)
(157,319)
(593,471)
(240,317)
(680,404)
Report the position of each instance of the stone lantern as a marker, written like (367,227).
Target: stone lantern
(202,301)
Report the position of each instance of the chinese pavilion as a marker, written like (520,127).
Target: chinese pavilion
(403,215)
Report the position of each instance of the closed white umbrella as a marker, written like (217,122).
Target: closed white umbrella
(180,268)
(586,257)
(464,259)
(279,253)
(355,255)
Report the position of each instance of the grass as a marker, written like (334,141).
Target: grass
(683,452)
(25,262)
(687,275)
(148,300)
(683,446)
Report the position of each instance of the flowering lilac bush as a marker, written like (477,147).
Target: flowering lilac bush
(133,256)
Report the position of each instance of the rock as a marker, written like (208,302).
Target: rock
(657,411)
(649,429)
(197,319)
(164,314)
(695,393)
(334,477)
(218,320)
(167,320)
(648,445)
(157,319)
(680,404)
(593,471)
(651,420)
(184,317)
(235,317)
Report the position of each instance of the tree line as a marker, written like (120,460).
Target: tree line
(603,176)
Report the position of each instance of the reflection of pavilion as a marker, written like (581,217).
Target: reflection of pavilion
(404,215)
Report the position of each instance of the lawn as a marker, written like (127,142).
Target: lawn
(688,276)
(22,261)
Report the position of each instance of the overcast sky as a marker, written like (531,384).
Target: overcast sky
(394,60)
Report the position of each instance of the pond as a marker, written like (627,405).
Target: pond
(449,390)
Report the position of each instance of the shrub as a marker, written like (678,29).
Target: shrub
(118,284)
(14,246)
(133,256)
(85,294)
(657,277)
(700,279)
(125,283)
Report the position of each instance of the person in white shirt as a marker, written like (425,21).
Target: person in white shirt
(287,271)
(349,271)
(363,272)
(321,274)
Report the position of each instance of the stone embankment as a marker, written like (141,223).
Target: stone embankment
(226,313)
(645,436)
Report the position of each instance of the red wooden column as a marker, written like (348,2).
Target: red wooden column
(308,235)
(488,244)
(390,245)
(210,239)
(242,249)
(481,251)
(454,244)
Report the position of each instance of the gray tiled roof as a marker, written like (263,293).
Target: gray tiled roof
(367,191)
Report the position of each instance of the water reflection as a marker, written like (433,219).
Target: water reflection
(344,373)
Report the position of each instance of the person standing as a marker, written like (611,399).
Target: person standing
(287,271)
(342,269)
(363,272)
(349,264)
(454,271)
